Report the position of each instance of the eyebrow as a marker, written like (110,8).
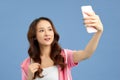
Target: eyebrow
(43,27)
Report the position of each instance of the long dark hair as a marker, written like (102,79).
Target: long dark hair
(34,48)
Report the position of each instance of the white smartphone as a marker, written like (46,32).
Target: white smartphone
(88,9)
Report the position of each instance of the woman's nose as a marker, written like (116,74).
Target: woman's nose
(46,33)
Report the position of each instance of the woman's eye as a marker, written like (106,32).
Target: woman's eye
(41,30)
(50,29)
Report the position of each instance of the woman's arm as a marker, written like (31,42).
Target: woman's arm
(91,20)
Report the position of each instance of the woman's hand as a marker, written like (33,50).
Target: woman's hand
(93,20)
(32,68)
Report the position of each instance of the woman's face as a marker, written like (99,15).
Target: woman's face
(44,33)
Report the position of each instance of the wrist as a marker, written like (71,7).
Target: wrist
(29,78)
(100,31)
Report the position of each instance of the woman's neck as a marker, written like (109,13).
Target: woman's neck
(45,50)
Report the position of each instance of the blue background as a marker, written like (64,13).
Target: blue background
(16,15)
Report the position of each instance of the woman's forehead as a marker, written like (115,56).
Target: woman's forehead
(44,24)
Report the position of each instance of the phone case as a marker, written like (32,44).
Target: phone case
(89,9)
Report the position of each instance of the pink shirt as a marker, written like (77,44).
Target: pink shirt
(63,74)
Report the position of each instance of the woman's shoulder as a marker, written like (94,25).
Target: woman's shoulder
(65,50)
(68,55)
(25,62)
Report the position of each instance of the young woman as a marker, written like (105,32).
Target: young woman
(47,60)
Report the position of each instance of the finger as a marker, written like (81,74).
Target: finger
(90,25)
(89,21)
(90,18)
(34,70)
(34,66)
(90,13)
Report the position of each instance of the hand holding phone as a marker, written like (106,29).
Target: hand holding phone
(89,10)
